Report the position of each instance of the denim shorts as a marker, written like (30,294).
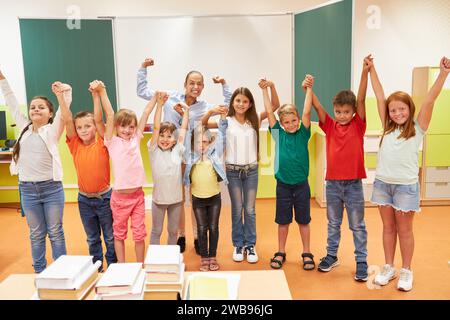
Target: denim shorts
(402,197)
(295,197)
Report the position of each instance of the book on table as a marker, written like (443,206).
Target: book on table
(119,278)
(176,285)
(136,292)
(163,258)
(64,272)
(161,295)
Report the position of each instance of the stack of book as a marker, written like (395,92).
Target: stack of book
(67,278)
(164,270)
(121,281)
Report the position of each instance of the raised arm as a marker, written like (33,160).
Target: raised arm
(306,115)
(66,114)
(361,98)
(12,103)
(142,89)
(100,88)
(426,110)
(269,108)
(225,89)
(221,109)
(184,124)
(149,108)
(98,114)
(379,93)
(321,112)
(263,84)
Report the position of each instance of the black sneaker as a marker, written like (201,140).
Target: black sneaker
(361,272)
(182,243)
(327,263)
(196,246)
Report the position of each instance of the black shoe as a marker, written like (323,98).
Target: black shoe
(182,243)
(196,246)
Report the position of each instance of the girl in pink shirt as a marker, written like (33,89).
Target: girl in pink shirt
(127,198)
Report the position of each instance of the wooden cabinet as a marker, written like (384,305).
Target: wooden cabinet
(436,173)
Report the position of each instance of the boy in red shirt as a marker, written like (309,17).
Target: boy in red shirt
(345,171)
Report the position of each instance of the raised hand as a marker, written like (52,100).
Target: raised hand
(218,79)
(57,88)
(263,83)
(147,63)
(308,82)
(96,86)
(445,65)
(179,108)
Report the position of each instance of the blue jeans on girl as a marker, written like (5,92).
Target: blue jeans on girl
(43,204)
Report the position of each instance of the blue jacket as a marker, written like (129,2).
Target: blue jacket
(214,154)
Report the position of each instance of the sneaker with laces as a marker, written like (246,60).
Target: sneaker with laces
(252,256)
(361,272)
(238,254)
(327,263)
(386,275)
(406,280)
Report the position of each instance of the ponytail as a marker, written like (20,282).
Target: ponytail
(16,148)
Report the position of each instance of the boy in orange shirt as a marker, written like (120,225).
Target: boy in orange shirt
(84,137)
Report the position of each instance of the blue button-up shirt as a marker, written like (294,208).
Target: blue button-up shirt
(196,110)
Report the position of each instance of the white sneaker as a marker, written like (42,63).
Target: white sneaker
(406,280)
(386,275)
(238,254)
(252,256)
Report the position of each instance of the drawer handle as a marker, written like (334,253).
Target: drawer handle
(441,184)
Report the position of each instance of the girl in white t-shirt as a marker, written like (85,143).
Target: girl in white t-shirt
(241,162)
(166,154)
(396,186)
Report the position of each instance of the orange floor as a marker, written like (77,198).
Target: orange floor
(431,262)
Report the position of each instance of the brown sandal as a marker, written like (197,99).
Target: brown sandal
(204,264)
(213,265)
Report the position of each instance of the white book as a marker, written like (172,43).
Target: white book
(63,273)
(119,277)
(151,286)
(163,258)
(136,292)
(165,276)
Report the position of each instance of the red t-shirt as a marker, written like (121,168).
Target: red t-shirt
(345,148)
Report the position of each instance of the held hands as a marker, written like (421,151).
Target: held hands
(179,108)
(368,63)
(58,87)
(161,97)
(147,63)
(308,82)
(445,65)
(96,86)
(264,84)
(218,79)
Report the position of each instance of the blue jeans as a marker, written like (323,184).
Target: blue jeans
(348,193)
(242,186)
(43,204)
(96,216)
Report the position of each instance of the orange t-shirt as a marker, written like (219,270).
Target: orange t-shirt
(91,163)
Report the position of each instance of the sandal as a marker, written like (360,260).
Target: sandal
(213,265)
(308,264)
(204,264)
(277,263)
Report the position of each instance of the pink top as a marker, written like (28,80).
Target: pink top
(127,165)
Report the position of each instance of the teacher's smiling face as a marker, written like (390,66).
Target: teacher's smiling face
(194,85)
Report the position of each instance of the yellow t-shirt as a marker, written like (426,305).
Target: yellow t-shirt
(204,180)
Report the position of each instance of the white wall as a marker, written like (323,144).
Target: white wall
(412,33)
(242,49)
(11,54)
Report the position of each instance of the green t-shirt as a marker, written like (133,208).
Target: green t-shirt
(291,155)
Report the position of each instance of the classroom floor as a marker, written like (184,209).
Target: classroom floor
(431,262)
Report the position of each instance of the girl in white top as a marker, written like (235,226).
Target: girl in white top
(396,187)
(37,162)
(241,162)
(166,155)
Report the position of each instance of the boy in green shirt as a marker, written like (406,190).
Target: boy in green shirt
(291,135)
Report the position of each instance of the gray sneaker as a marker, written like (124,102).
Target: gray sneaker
(361,272)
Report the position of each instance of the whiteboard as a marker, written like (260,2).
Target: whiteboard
(242,49)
